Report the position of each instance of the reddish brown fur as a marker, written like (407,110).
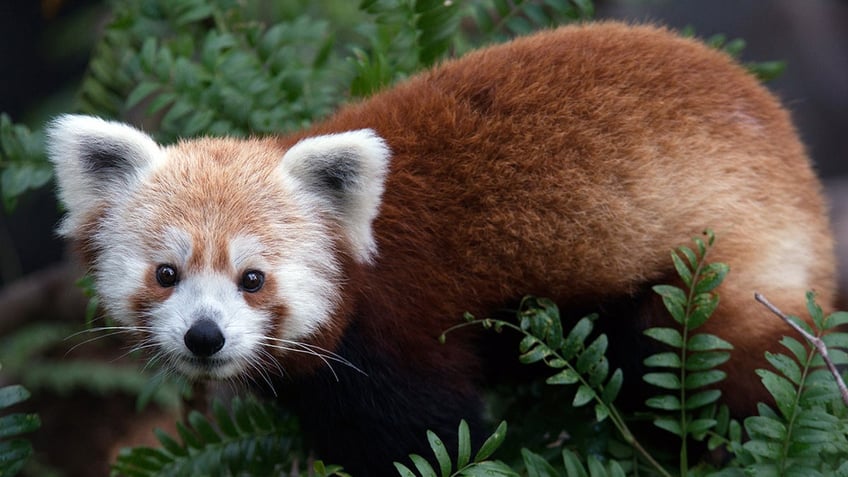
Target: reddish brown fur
(568,164)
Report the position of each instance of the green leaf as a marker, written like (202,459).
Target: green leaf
(140,92)
(786,365)
(203,428)
(665,402)
(11,395)
(663,380)
(781,389)
(586,8)
(15,424)
(566,376)
(404,470)
(596,469)
(835,319)
(573,465)
(223,419)
(702,398)
(527,343)
(767,71)
(19,177)
(602,412)
(613,386)
(169,444)
(576,337)
(592,355)
(464,444)
(669,424)
(538,353)
(664,360)
(706,360)
(795,346)
(814,310)
(674,300)
(769,450)
(711,277)
(812,436)
(584,395)
(489,469)
(700,426)
(13,456)
(703,306)
(707,342)
(669,336)
(189,438)
(704,378)
(836,339)
(536,465)
(682,269)
(492,443)
(424,468)
(441,453)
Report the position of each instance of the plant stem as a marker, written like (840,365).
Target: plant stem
(820,346)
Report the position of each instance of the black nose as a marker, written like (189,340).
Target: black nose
(204,338)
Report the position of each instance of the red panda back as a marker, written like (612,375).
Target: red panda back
(569,163)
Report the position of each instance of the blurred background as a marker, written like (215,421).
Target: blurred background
(45,47)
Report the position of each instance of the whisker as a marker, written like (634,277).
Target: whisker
(323,358)
(317,351)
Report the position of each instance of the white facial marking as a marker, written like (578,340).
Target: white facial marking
(215,297)
(247,251)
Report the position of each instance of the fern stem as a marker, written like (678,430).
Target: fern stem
(614,414)
(690,301)
(790,420)
(813,340)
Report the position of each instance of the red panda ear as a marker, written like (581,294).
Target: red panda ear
(95,162)
(343,174)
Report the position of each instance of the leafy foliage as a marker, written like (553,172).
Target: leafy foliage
(249,438)
(808,432)
(464,465)
(764,70)
(14,452)
(22,161)
(29,354)
(690,410)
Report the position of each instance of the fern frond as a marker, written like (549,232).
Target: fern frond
(808,432)
(577,360)
(500,20)
(248,437)
(690,411)
(15,452)
(480,465)
(23,161)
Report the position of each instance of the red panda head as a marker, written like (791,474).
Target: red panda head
(221,253)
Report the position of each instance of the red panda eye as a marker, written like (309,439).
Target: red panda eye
(252,281)
(166,275)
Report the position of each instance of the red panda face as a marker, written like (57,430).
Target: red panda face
(222,254)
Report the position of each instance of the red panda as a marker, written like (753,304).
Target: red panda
(326,263)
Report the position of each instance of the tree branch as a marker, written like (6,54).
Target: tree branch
(820,346)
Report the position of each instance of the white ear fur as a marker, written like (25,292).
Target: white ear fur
(95,161)
(345,172)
